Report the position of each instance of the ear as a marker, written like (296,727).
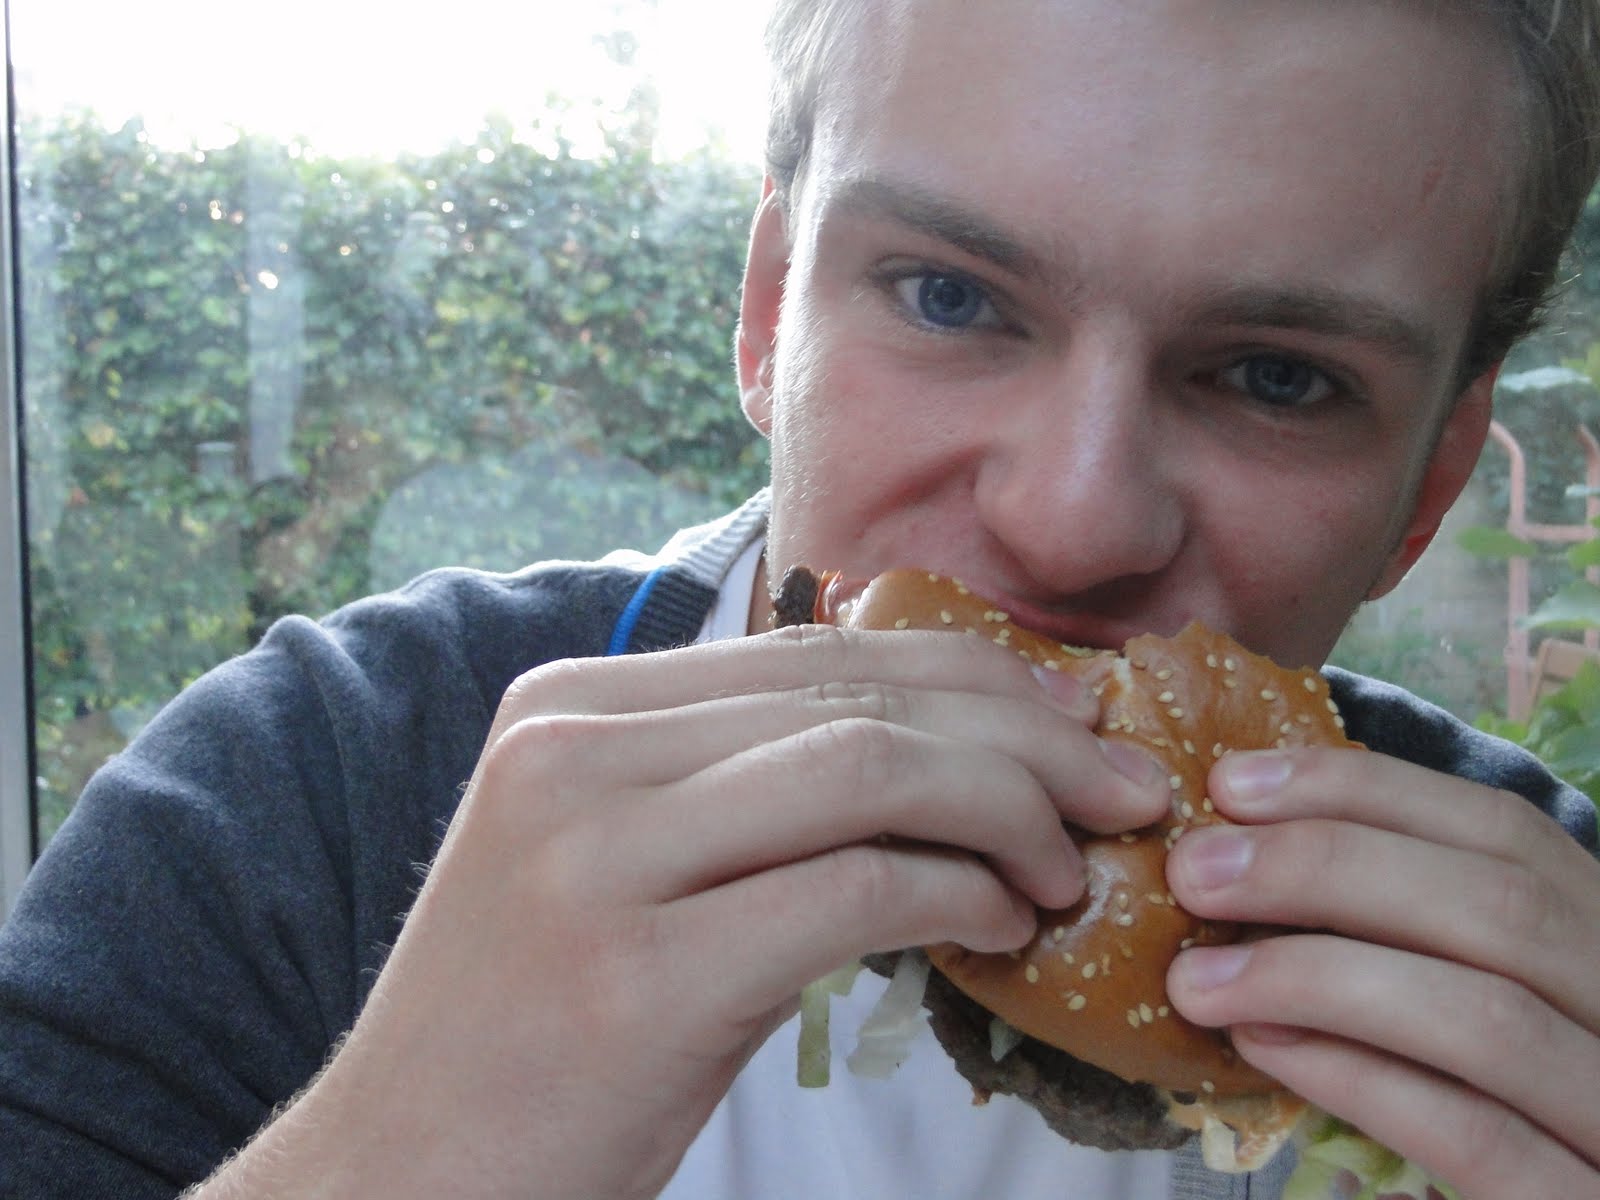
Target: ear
(1450,465)
(760,306)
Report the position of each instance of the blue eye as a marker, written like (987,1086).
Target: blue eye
(1278,382)
(947,301)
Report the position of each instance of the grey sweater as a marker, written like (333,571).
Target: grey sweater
(213,914)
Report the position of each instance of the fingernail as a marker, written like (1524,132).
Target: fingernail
(1138,765)
(1204,968)
(1214,858)
(1254,775)
(1066,691)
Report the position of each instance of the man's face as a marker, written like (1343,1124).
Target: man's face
(1130,312)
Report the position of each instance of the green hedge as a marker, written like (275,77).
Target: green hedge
(259,381)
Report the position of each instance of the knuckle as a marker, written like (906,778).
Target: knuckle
(1507,1015)
(1525,903)
(868,701)
(1492,1134)
(863,878)
(864,752)
(1334,845)
(810,639)
(548,687)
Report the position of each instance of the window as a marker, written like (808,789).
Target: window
(313,297)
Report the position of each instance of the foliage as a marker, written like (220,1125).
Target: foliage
(242,365)
(1563,728)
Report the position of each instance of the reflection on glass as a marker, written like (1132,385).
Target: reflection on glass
(267,371)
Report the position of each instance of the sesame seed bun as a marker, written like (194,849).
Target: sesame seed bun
(1091,984)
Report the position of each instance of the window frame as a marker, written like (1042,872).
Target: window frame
(17,825)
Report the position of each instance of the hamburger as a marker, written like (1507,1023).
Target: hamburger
(1077,1023)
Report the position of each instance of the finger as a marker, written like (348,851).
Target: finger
(1481,1147)
(1482,1029)
(1402,891)
(770,934)
(779,661)
(1389,793)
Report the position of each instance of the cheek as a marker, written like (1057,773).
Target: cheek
(1297,562)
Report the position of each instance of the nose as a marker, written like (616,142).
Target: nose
(1082,484)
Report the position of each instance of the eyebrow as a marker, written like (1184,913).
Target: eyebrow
(1326,311)
(938,217)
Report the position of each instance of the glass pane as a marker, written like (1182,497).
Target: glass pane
(1455,631)
(318,296)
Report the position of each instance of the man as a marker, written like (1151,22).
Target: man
(1125,312)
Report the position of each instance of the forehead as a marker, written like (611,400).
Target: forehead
(1361,139)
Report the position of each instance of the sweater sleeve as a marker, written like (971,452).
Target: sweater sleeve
(1392,721)
(210,918)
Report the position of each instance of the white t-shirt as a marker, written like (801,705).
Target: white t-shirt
(916,1135)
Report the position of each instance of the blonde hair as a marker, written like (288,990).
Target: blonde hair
(1556,46)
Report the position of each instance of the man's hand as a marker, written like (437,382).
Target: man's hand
(654,856)
(1448,1002)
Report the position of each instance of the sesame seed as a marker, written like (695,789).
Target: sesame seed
(1155,898)
(1228,681)
(1127,950)
(1165,698)
(1146,1014)
(1125,920)
(1052,664)
(1066,957)
(1160,743)
(903,623)
(1122,900)
(1163,1011)
(1230,665)
(1268,694)
(1175,713)
(1186,811)
(1002,616)
(1176,781)
(1171,901)
(1339,721)
(1217,750)
(1078,1001)
(1133,1017)
(1164,674)
(1089,969)
(1031,974)
(1207,1086)
(1188,747)
(1127,839)
(1186,943)
(947,616)
(1059,933)
(1310,682)
(1207,806)
(1211,660)
(1332,707)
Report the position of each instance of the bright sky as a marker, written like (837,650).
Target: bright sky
(377,76)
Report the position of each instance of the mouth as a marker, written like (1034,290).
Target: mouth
(1071,627)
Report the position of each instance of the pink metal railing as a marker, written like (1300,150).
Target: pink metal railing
(1519,660)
